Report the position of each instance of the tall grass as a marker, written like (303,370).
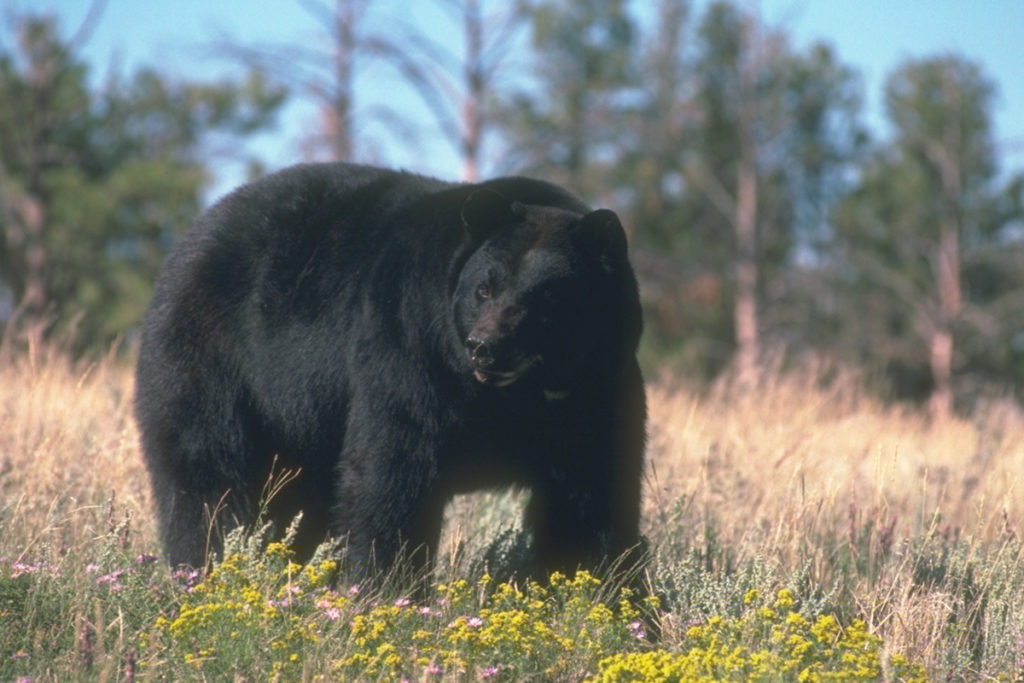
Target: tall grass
(913,526)
(68,452)
(801,485)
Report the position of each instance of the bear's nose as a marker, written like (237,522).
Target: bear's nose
(480,352)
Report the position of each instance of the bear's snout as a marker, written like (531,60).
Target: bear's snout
(493,367)
(480,352)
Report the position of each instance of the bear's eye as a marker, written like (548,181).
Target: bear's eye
(483,291)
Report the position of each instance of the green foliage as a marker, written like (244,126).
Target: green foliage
(927,234)
(95,183)
(725,95)
(564,128)
(653,113)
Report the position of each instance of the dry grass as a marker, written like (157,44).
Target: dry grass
(799,457)
(915,524)
(68,452)
(912,525)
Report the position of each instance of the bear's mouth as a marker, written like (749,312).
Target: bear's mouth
(499,378)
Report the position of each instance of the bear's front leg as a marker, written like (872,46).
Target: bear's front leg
(580,518)
(388,505)
(585,506)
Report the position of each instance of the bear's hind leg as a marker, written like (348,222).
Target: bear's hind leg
(203,467)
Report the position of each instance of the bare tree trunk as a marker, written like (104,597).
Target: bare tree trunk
(338,123)
(940,403)
(748,348)
(25,207)
(946,155)
(947,280)
(36,297)
(325,77)
(476,82)
(745,310)
(25,219)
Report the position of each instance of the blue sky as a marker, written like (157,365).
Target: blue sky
(873,36)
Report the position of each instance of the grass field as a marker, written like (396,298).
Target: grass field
(801,531)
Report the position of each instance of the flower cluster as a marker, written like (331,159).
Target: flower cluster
(261,612)
(485,629)
(15,569)
(771,640)
(51,606)
(244,604)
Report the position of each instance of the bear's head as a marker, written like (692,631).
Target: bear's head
(544,292)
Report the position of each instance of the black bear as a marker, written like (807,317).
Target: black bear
(395,339)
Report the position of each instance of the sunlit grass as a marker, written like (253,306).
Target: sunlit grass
(893,541)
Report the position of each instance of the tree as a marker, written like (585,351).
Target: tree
(921,227)
(753,152)
(93,184)
(325,75)
(454,85)
(459,89)
(566,127)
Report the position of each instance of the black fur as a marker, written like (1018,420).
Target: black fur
(398,339)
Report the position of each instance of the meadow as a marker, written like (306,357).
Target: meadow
(799,529)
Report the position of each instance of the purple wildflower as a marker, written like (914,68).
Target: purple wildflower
(112,580)
(23,568)
(636,629)
(188,577)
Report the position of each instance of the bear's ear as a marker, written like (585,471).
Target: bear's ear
(603,234)
(485,210)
